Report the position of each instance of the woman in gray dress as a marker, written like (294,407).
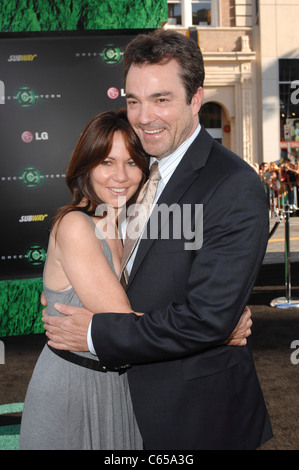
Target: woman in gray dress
(73,402)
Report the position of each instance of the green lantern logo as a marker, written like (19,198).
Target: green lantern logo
(31,177)
(111,55)
(26,97)
(36,255)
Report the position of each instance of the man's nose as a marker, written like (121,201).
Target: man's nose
(146,114)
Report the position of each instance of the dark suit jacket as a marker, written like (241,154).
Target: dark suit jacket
(189,390)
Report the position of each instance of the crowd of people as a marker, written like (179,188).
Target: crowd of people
(281,185)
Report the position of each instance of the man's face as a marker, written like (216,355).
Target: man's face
(158,109)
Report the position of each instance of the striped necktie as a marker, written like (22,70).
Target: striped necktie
(139,219)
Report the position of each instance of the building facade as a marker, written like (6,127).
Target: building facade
(279,71)
(250,53)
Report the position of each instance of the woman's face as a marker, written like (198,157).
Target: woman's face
(116,178)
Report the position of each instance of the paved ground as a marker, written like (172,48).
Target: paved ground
(276,244)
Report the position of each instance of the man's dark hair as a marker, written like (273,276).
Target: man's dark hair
(162,46)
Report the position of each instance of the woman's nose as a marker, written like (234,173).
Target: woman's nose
(121,174)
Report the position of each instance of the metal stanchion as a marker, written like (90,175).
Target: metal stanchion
(279,217)
(287,301)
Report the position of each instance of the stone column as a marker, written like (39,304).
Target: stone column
(247,112)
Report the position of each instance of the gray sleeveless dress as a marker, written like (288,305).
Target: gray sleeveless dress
(70,407)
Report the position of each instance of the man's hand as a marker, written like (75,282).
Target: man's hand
(69,332)
(242,330)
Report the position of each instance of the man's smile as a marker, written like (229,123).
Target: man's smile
(153,131)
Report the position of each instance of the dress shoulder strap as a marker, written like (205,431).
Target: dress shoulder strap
(105,245)
(100,236)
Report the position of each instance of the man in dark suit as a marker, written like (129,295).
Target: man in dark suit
(190,390)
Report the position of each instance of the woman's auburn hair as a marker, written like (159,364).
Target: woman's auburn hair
(93,147)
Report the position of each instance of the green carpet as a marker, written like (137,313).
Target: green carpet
(9,437)
(9,434)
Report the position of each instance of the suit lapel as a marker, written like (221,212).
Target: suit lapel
(183,176)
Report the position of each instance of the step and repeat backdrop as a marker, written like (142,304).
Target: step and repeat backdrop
(50,87)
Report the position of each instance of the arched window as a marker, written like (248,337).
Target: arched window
(211,119)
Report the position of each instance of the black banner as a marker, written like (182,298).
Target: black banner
(50,87)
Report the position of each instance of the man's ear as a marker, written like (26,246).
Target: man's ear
(197,100)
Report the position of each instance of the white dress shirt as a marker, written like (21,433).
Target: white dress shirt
(166,166)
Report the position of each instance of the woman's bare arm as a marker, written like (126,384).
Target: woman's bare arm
(82,259)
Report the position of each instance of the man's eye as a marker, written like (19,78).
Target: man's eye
(162,99)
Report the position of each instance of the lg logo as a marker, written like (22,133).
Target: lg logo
(28,136)
(113,93)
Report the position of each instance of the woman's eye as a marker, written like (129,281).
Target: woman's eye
(131,163)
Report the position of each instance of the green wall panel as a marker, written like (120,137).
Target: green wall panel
(78,15)
(21,310)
